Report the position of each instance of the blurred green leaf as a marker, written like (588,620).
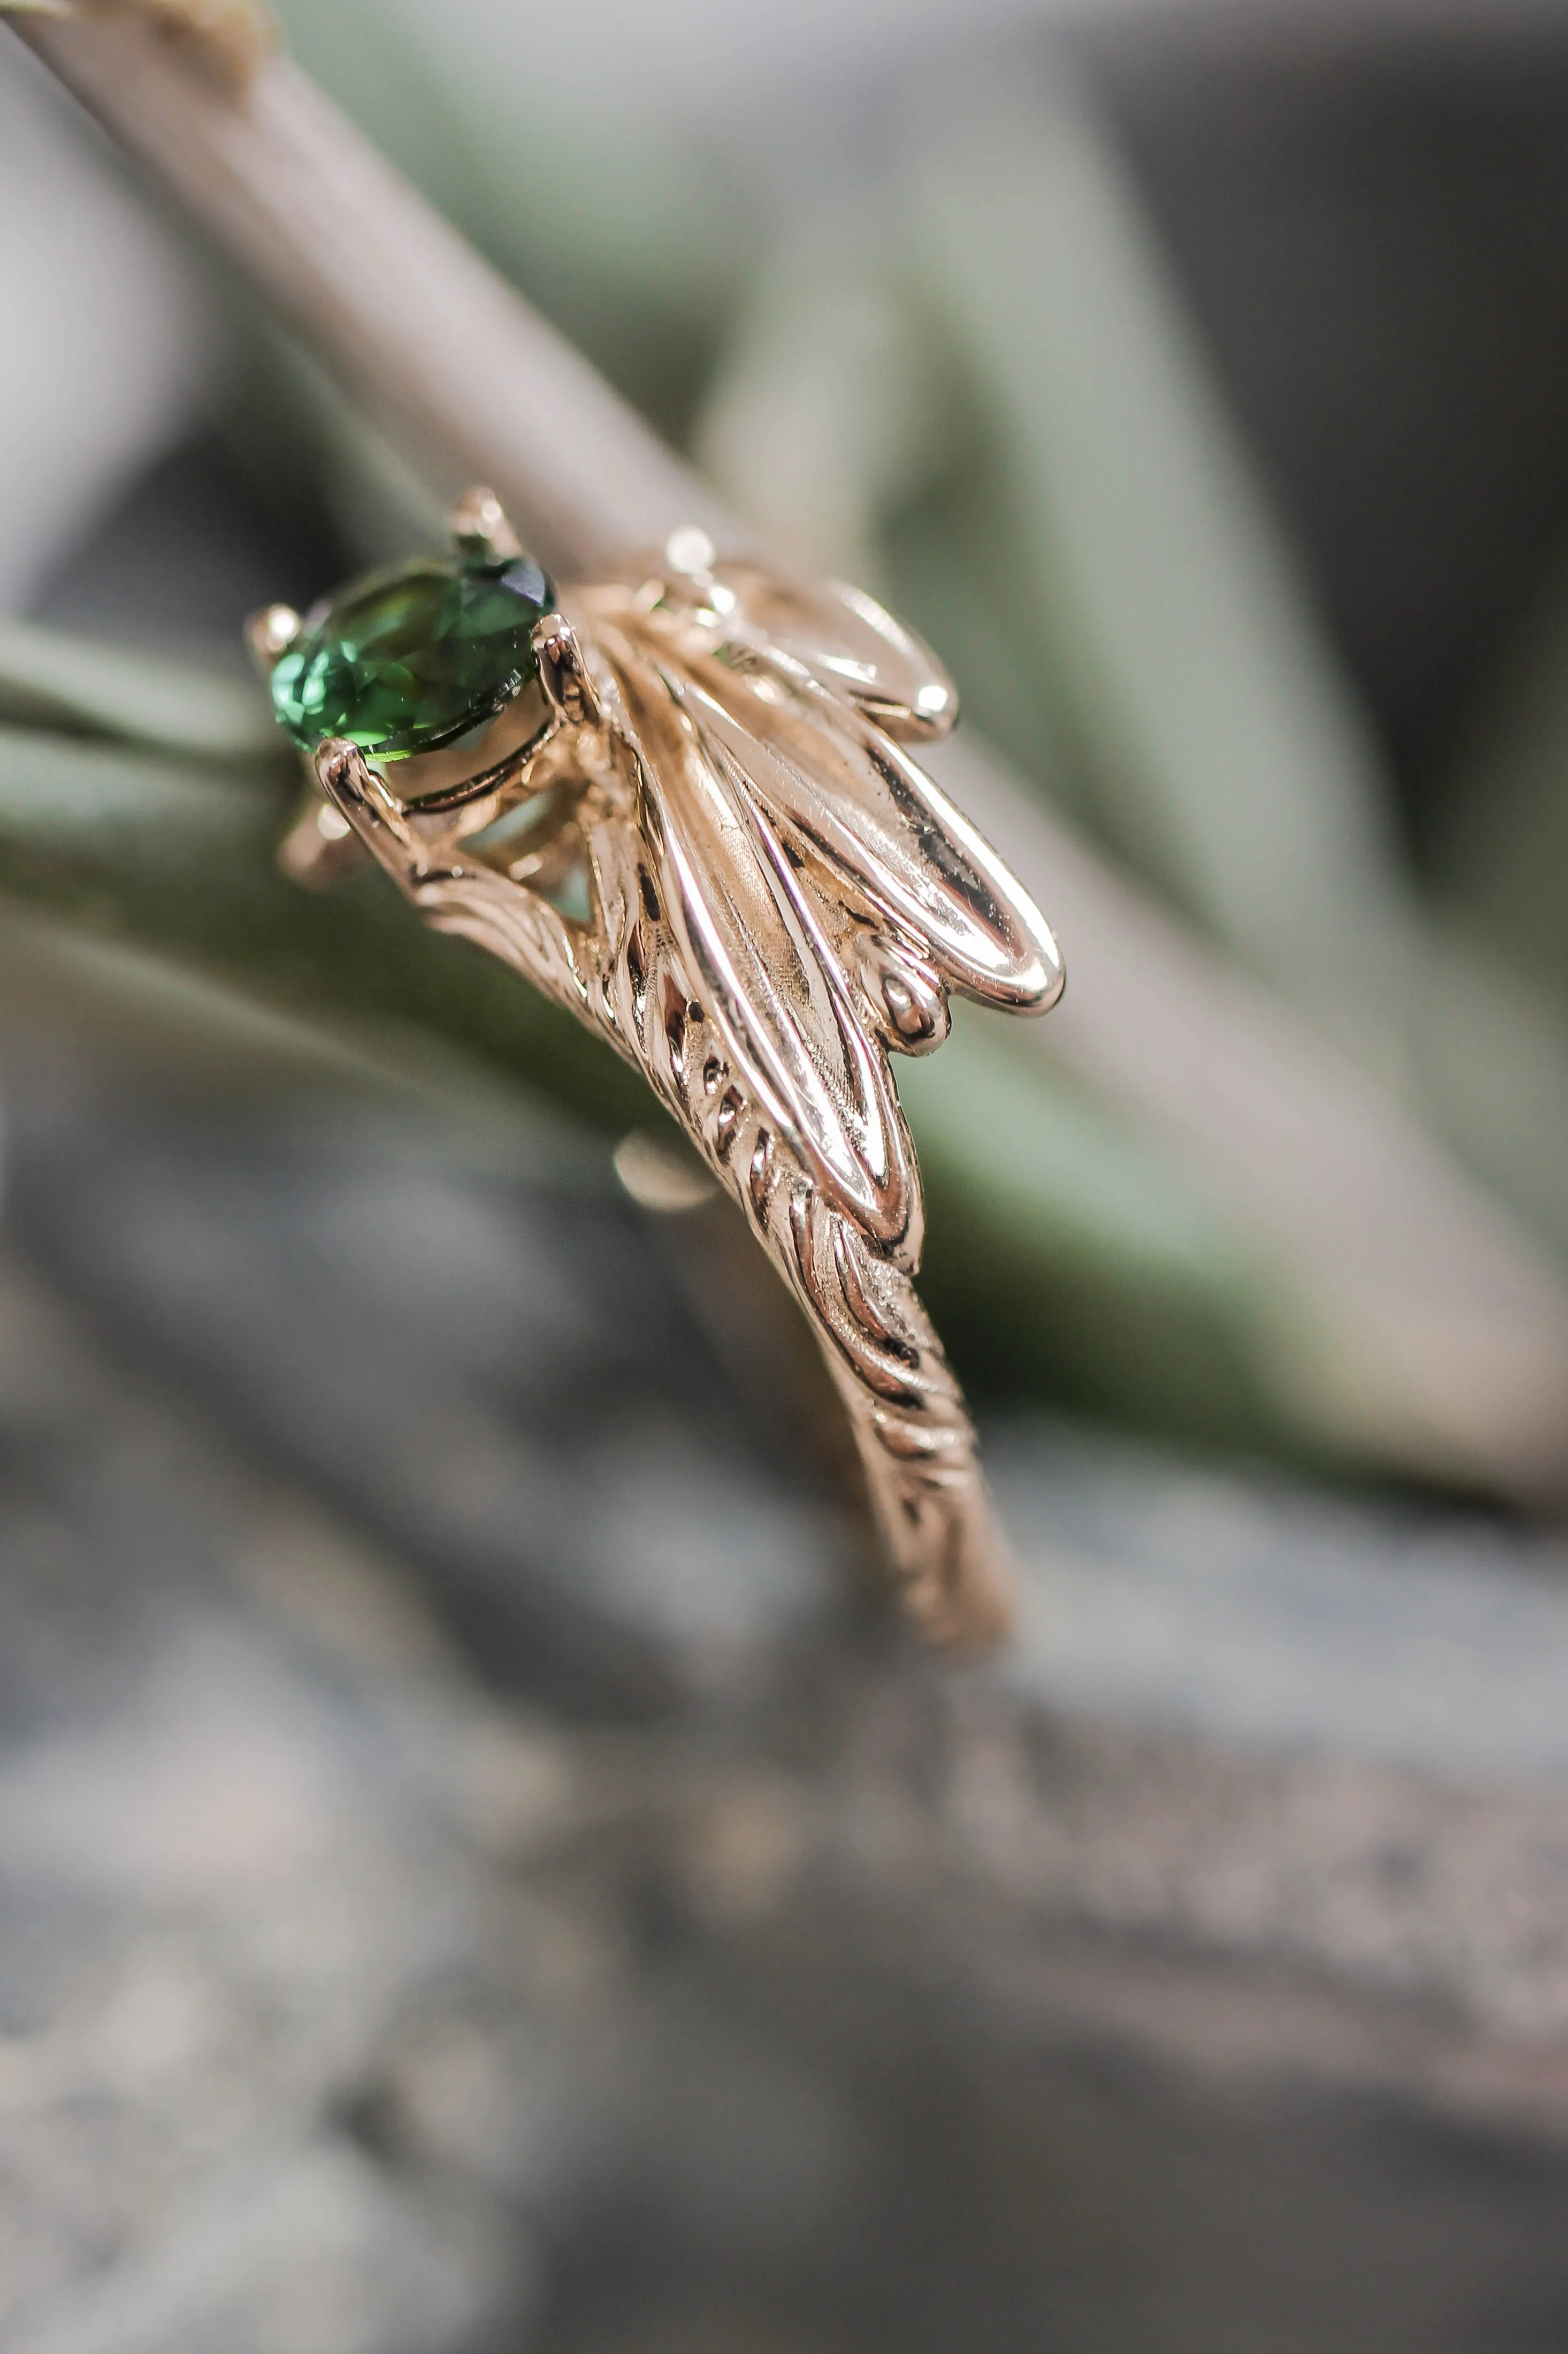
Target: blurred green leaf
(48,679)
(184,860)
(1500,856)
(1066,1257)
(1072,1261)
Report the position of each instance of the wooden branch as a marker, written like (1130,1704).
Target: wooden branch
(1434,1305)
(425,336)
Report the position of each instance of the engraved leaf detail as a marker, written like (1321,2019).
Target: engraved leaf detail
(757,948)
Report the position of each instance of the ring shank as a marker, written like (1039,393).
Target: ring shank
(906,1414)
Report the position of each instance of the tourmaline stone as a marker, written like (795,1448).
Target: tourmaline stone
(415,658)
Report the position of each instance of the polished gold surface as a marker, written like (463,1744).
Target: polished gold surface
(716,849)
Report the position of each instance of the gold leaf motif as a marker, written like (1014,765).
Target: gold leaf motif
(771,899)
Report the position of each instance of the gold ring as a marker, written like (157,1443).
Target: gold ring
(679,801)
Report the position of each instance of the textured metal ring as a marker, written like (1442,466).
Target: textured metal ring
(680,802)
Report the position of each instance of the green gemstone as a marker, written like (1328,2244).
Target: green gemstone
(415,658)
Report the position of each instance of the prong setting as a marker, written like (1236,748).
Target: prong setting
(562,672)
(480,525)
(352,787)
(342,769)
(268,635)
(690,552)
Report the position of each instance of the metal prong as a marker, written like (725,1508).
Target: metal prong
(270,633)
(344,775)
(352,786)
(478,523)
(563,674)
(689,551)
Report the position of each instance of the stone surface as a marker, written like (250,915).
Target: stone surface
(415,658)
(472,1875)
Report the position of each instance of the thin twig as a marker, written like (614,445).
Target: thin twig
(425,336)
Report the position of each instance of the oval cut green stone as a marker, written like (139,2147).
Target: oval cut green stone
(413,658)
